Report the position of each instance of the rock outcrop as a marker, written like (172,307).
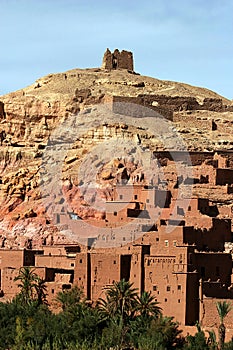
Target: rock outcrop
(29,116)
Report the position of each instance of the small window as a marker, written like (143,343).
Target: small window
(157,239)
(115,213)
(189,208)
(178,300)
(79,278)
(121,196)
(174,243)
(114,262)
(154,288)
(52,291)
(147,200)
(179,287)
(72,264)
(123,238)
(166,243)
(80,261)
(165,300)
(168,288)
(135,196)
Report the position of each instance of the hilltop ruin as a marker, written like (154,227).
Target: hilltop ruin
(118,60)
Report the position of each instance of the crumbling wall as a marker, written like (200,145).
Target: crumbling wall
(177,108)
(118,60)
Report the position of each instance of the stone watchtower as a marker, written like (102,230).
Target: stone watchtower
(118,60)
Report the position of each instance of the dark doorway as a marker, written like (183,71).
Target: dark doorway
(125,267)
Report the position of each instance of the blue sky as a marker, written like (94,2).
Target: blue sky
(181,40)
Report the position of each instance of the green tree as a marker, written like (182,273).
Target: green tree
(120,302)
(162,333)
(200,342)
(147,306)
(69,298)
(41,292)
(27,284)
(32,287)
(118,309)
(223,309)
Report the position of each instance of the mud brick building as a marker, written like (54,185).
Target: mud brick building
(170,234)
(182,260)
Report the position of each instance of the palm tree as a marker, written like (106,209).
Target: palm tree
(223,309)
(41,291)
(118,308)
(28,281)
(104,308)
(70,298)
(147,306)
(120,300)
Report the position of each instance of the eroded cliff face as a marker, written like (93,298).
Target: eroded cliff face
(29,116)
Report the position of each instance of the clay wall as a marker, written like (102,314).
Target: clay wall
(168,288)
(194,158)
(229,157)
(95,270)
(55,282)
(206,173)
(145,195)
(17,258)
(178,109)
(105,269)
(56,262)
(138,107)
(40,271)
(222,161)
(193,206)
(53,288)
(125,60)
(117,211)
(210,316)
(193,121)
(54,250)
(8,286)
(82,273)
(191,210)
(169,237)
(12,258)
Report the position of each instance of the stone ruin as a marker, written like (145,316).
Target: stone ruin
(118,60)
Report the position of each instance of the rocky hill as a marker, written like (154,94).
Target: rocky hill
(201,118)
